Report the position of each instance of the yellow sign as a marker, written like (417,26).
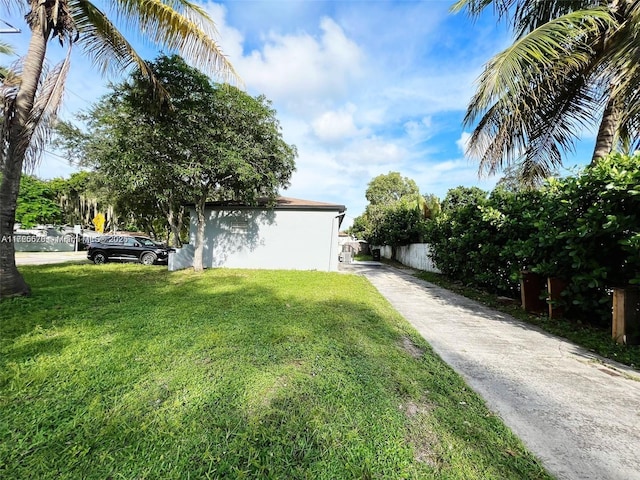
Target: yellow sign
(98,222)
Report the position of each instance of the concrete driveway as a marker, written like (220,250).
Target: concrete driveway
(579,413)
(42,258)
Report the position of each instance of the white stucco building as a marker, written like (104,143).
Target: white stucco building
(293,235)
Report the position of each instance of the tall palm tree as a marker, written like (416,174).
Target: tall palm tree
(572,67)
(29,106)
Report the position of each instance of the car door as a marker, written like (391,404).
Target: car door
(131,249)
(116,247)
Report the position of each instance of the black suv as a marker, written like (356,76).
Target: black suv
(128,249)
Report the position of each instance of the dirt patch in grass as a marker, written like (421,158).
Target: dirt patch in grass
(411,348)
(419,434)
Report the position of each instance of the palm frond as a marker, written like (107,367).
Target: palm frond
(535,126)
(533,136)
(180,26)
(528,16)
(106,47)
(534,98)
(45,111)
(13,5)
(6,48)
(625,63)
(561,43)
(475,7)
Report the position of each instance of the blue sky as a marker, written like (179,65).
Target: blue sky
(361,88)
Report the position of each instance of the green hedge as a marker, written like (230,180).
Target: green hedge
(583,228)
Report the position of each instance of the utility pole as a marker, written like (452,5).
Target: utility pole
(9,28)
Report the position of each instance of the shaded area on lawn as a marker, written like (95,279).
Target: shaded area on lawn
(134,372)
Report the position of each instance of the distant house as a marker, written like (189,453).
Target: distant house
(293,235)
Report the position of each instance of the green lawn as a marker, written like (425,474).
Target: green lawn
(125,371)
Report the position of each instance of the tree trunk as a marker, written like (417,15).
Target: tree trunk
(175,225)
(20,132)
(199,247)
(607,131)
(11,282)
(179,222)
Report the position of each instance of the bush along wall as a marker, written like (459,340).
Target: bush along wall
(584,229)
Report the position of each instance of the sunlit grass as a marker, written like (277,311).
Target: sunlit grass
(125,371)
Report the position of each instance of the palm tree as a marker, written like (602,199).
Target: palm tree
(572,67)
(29,106)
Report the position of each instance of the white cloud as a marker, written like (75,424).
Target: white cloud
(337,125)
(438,177)
(229,39)
(463,141)
(372,151)
(419,131)
(302,69)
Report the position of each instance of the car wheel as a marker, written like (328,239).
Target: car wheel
(99,258)
(148,258)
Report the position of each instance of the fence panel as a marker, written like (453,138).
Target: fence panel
(415,256)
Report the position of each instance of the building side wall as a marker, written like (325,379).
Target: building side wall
(270,239)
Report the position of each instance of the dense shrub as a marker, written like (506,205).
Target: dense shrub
(584,228)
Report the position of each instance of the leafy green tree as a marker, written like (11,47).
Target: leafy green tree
(572,66)
(240,155)
(30,106)
(401,224)
(462,197)
(208,142)
(36,203)
(389,188)
(396,214)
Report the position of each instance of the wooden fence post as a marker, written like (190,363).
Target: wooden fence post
(625,327)
(555,287)
(531,287)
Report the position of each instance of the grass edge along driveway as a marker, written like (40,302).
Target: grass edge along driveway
(124,371)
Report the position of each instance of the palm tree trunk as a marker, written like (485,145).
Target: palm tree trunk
(11,281)
(606,132)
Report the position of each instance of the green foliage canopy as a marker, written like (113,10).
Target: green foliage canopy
(36,203)
(396,214)
(206,142)
(583,228)
(389,188)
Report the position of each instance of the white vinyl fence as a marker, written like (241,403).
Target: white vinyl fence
(415,256)
(181,258)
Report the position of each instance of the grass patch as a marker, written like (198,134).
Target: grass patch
(361,257)
(596,340)
(125,371)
